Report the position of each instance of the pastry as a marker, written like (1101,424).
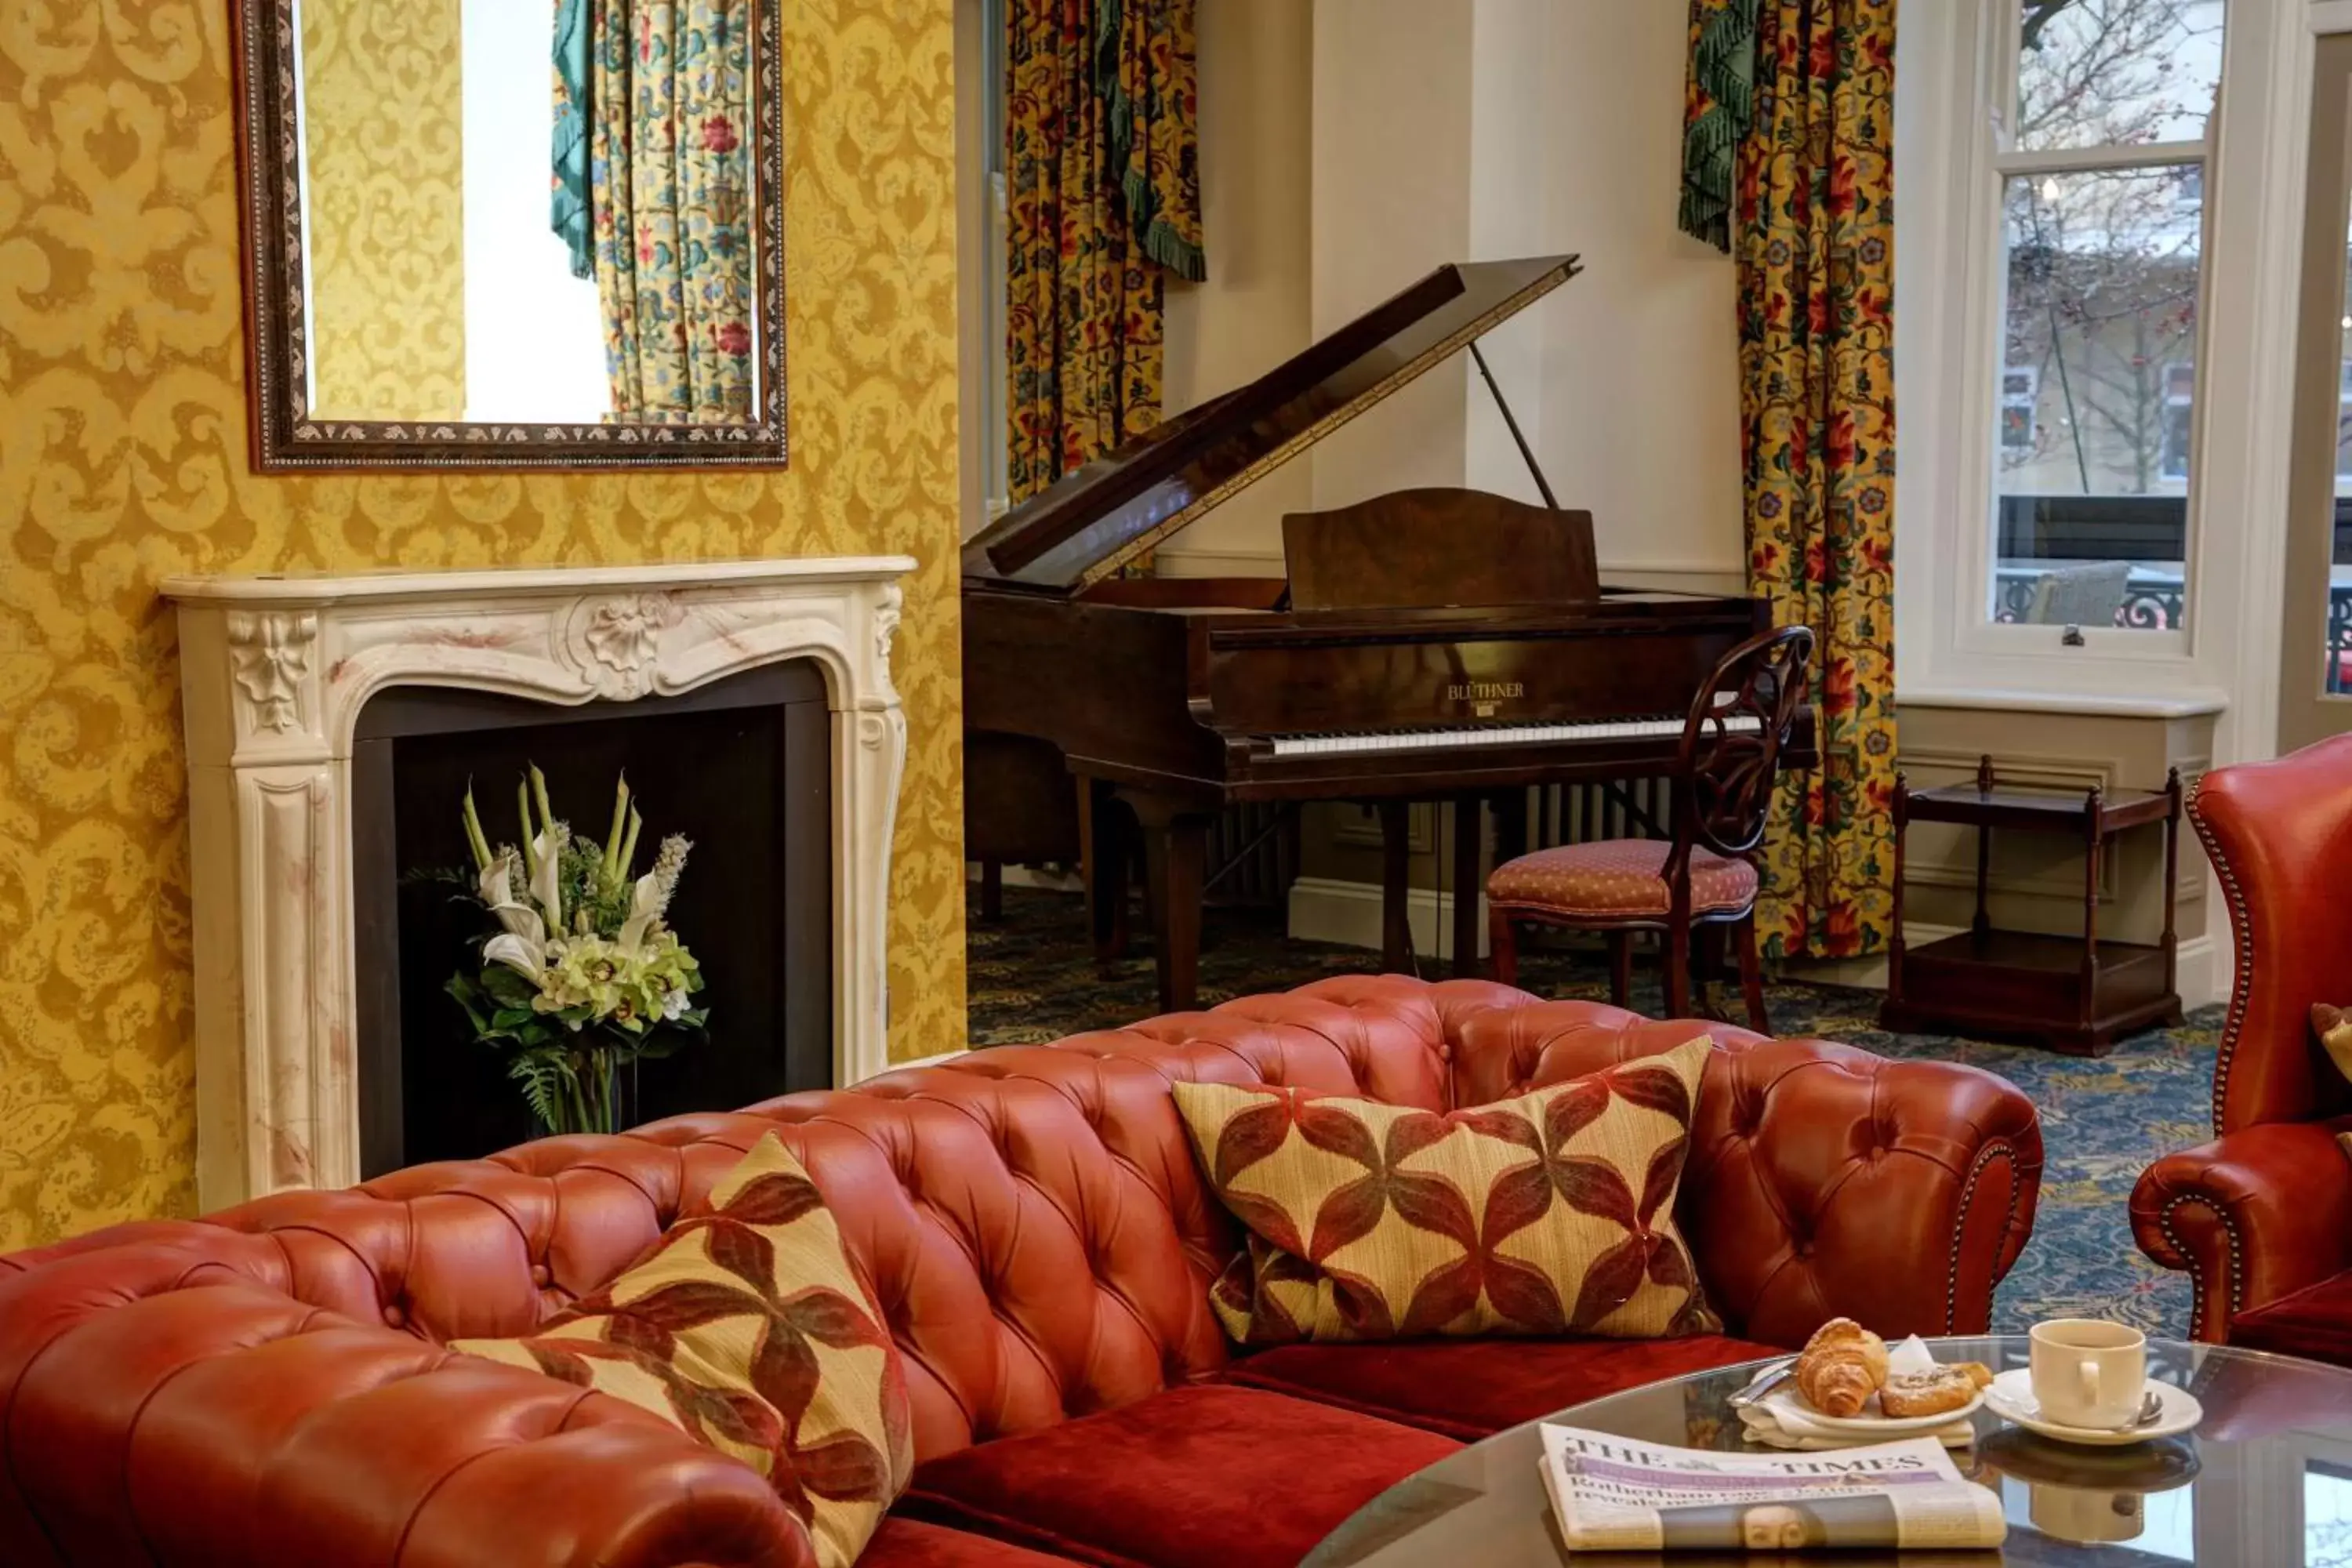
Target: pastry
(1843,1365)
(1931,1392)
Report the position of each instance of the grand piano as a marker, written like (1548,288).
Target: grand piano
(1425,644)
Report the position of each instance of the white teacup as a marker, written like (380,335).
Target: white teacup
(2086,1372)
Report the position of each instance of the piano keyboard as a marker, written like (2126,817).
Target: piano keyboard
(1494,735)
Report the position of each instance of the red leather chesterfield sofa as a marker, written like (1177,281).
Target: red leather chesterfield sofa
(266,1386)
(2261,1217)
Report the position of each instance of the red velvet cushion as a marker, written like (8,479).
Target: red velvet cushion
(910,1543)
(1201,1477)
(1469,1388)
(2315,1322)
(1618,878)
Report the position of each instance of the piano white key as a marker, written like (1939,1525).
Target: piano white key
(1491,735)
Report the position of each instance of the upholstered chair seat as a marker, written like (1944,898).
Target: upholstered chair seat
(1698,875)
(1618,878)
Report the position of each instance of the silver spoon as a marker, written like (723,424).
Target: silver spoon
(1762,1384)
(2151,1408)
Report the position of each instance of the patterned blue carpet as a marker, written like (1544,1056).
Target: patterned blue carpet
(1032,978)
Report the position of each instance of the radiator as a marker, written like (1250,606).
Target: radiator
(1582,814)
(1253,855)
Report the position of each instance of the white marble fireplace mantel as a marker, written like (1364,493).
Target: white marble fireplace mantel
(275,670)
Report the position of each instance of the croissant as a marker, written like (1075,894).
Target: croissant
(1842,1366)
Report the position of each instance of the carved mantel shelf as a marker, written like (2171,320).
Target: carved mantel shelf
(273,672)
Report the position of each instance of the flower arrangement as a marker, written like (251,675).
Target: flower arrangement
(582,977)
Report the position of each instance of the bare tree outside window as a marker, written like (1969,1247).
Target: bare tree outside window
(2103,215)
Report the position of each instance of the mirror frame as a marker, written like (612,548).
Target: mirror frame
(287,439)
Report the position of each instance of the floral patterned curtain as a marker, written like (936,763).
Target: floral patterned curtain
(671,194)
(568,201)
(1103,198)
(1814,236)
(1719,103)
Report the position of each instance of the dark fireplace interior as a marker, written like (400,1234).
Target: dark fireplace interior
(742,767)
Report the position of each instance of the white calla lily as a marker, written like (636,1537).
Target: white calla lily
(524,955)
(644,908)
(520,920)
(545,887)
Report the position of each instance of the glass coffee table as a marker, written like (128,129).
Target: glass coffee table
(2265,1481)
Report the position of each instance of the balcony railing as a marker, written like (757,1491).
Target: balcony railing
(2154,600)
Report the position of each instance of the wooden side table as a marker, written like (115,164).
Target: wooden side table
(2076,994)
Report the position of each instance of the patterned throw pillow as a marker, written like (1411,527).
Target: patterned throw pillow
(2333,1027)
(746,1328)
(1549,1213)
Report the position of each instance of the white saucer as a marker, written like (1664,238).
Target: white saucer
(2011,1397)
(1792,1408)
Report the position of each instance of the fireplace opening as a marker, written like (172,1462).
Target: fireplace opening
(742,767)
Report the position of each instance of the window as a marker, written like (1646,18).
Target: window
(2101,141)
(2326,1514)
(995,438)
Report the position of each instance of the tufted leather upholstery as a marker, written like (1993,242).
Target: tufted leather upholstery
(265,1384)
(1618,878)
(2265,1211)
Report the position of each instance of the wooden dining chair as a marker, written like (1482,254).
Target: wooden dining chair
(1703,874)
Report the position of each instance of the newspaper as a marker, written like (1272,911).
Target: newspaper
(1612,1494)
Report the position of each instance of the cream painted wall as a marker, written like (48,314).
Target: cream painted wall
(1256,60)
(1394,91)
(1639,375)
(1350,146)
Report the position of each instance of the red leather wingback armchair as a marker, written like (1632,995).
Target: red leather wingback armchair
(2261,1217)
(267,1385)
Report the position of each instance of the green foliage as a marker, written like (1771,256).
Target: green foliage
(588,892)
(584,989)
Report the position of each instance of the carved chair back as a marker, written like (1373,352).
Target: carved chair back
(1728,763)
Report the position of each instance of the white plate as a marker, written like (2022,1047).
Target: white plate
(2011,1398)
(1786,1397)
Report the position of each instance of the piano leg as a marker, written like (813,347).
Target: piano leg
(1103,844)
(1175,865)
(1396,861)
(1469,848)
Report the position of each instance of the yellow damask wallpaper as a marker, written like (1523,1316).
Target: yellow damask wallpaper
(385,137)
(123,460)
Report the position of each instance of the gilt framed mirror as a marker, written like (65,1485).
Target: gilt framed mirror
(503,234)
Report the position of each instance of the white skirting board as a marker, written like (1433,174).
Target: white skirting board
(1324,909)
(1030,876)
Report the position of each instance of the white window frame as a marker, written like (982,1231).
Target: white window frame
(1948,358)
(1997,161)
(982,238)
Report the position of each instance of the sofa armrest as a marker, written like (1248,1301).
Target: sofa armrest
(158,1403)
(1825,1181)
(2251,1216)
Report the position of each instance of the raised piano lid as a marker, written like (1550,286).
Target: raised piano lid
(1102,515)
